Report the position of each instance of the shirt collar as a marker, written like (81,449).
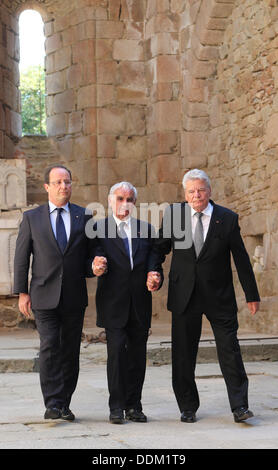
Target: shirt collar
(52,207)
(207,211)
(118,221)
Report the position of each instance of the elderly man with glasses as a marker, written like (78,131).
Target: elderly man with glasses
(53,236)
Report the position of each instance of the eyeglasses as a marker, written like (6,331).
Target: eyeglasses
(60,182)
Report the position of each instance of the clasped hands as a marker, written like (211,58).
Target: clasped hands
(100,267)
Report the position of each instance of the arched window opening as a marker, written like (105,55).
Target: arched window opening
(32,74)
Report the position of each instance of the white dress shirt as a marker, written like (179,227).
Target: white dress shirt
(65,216)
(207,212)
(127,228)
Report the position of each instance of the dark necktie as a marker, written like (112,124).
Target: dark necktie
(123,235)
(60,230)
(199,234)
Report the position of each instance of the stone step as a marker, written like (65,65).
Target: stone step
(25,358)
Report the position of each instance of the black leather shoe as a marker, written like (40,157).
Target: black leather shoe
(116,416)
(188,417)
(52,413)
(67,414)
(135,415)
(241,414)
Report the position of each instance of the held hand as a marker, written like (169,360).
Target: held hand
(253,307)
(99,265)
(153,281)
(24,305)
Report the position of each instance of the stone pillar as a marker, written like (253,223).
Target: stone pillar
(71,93)
(164,112)
(122,96)
(10,119)
(12,200)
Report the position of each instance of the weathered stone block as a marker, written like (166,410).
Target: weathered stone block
(166,116)
(16,124)
(83,51)
(104,48)
(113,170)
(105,95)
(273,188)
(132,95)
(271,136)
(109,29)
(128,49)
(167,68)
(53,43)
(86,97)
(162,91)
(164,169)
(164,43)
(64,102)
(85,173)
(62,58)
(84,147)
(162,143)
(111,121)
(106,71)
(194,144)
(132,73)
(74,76)
(56,125)
(132,148)
(135,121)
(106,146)
(75,122)
(55,83)
(89,121)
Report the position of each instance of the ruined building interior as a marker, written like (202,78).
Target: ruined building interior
(143,90)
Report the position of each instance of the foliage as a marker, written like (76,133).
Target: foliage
(32,88)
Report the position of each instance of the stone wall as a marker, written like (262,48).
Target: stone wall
(145,90)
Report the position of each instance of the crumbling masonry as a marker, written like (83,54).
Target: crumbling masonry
(143,90)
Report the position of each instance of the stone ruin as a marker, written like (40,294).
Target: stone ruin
(13,202)
(144,90)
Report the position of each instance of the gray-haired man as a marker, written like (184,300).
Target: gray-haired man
(123,300)
(200,281)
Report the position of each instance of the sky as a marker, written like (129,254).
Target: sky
(31,38)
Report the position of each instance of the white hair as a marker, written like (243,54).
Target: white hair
(195,175)
(126,185)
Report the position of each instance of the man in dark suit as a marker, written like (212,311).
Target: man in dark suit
(53,235)
(123,301)
(202,236)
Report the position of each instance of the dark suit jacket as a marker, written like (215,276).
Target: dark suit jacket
(211,271)
(120,285)
(51,269)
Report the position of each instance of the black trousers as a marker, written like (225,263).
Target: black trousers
(60,338)
(126,363)
(186,332)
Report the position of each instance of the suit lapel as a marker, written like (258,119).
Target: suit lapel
(135,235)
(112,233)
(75,220)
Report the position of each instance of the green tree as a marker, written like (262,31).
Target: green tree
(32,88)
